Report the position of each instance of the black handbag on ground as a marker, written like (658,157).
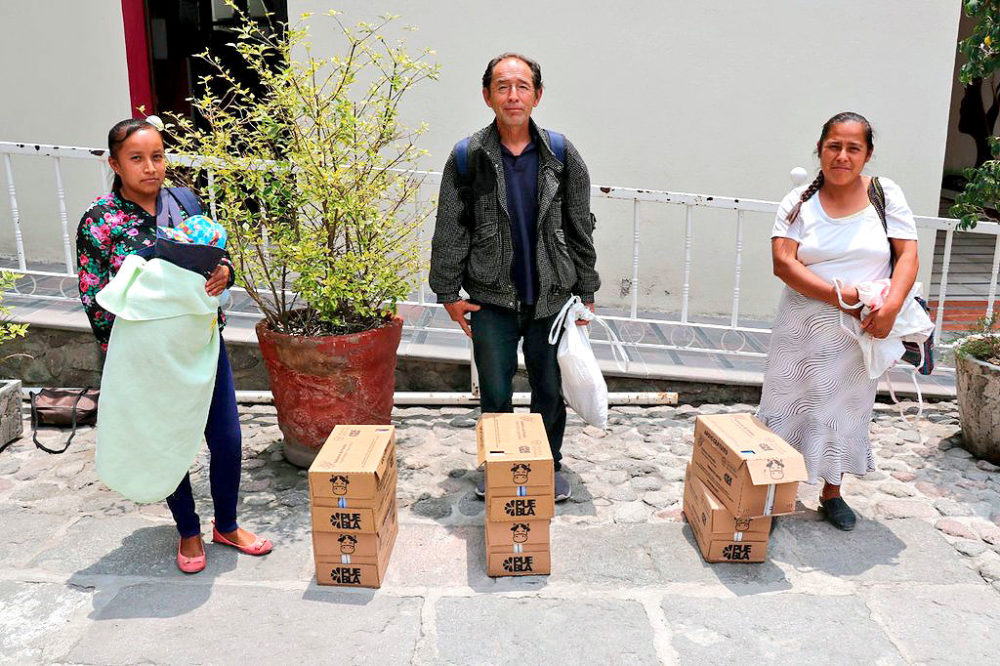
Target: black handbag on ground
(62,408)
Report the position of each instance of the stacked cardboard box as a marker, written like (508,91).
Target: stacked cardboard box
(352,488)
(741,474)
(520,493)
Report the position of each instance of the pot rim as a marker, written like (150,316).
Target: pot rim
(261,325)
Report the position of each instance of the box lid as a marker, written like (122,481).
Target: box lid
(511,438)
(768,458)
(358,459)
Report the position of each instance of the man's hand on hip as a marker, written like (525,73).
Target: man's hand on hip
(457,309)
(585,322)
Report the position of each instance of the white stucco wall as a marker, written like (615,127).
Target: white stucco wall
(63,81)
(721,98)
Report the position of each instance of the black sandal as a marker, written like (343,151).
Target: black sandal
(838,513)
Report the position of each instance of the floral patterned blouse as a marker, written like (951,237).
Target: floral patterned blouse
(111,229)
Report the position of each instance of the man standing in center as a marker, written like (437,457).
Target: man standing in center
(514,229)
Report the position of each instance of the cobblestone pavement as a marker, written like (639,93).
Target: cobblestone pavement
(88,577)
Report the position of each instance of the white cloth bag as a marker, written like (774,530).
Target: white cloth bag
(583,385)
(912,325)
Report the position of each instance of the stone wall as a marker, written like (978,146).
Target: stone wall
(57,357)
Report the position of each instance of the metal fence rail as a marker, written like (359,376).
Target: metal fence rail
(729,338)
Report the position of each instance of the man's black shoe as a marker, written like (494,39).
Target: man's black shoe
(563,490)
(481,487)
(838,513)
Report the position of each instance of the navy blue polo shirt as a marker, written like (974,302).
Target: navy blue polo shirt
(520,173)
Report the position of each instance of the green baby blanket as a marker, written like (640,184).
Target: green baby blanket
(159,376)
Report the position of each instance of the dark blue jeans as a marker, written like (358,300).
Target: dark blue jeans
(222,432)
(495,334)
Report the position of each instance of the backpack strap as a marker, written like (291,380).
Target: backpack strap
(186,198)
(877,196)
(558,143)
(462,159)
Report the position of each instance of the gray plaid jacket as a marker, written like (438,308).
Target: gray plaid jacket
(473,248)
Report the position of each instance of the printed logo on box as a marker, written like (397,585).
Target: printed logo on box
(728,479)
(346,576)
(736,551)
(348,543)
(777,468)
(524,449)
(520,531)
(520,507)
(742,524)
(346,521)
(522,564)
(339,484)
(521,472)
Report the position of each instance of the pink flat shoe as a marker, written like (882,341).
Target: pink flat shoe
(258,547)
(190,565)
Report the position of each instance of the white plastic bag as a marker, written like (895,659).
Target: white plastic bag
(583,385)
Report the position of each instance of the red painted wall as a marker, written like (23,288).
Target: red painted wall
(137,56)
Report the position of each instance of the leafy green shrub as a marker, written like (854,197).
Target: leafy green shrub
(8,329)
(983,341)
(312,173)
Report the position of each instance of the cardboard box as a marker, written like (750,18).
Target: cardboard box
(514,451)
(366,515)
(331,571)
(749,469)
(530,507)
(356,462)
(514,537)
(518,564)
(702,510)
(361,547)
(716,520)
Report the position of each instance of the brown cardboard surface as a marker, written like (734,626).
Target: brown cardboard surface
(331,571)
(749,469)
(328,517)
(716,520)
(361,547)
(530,507)
(528,535)
(355,462)
(514,564)
(719,548)
(515,451)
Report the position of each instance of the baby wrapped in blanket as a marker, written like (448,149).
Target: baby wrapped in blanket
(159,373)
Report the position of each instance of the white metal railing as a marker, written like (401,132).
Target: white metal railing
(730,338)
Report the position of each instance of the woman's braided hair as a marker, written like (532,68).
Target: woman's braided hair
(814,187)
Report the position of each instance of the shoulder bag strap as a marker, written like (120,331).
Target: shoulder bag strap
(877,196)
(34,424)
(462,159)
(186,198)
(558,143)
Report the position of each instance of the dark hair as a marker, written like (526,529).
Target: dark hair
(536,69)
(122,130)
(814,187)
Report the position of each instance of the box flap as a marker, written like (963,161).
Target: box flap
(768,457)
(514,437)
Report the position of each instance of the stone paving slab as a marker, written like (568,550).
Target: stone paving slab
(175,624)
(957,624)
(892,551)
(776,629)
(40,622)
(489,630)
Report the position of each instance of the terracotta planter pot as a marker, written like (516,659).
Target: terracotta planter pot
(320,382)
(978,388)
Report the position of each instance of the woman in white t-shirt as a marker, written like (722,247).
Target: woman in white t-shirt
(817,394)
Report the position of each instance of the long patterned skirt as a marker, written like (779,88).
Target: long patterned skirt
(817,394)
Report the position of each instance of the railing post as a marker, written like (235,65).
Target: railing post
(211,195)
(635,258)
(993,277)
(63,218)
(15,214)
(939,319)
(739,260)
(686,291)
